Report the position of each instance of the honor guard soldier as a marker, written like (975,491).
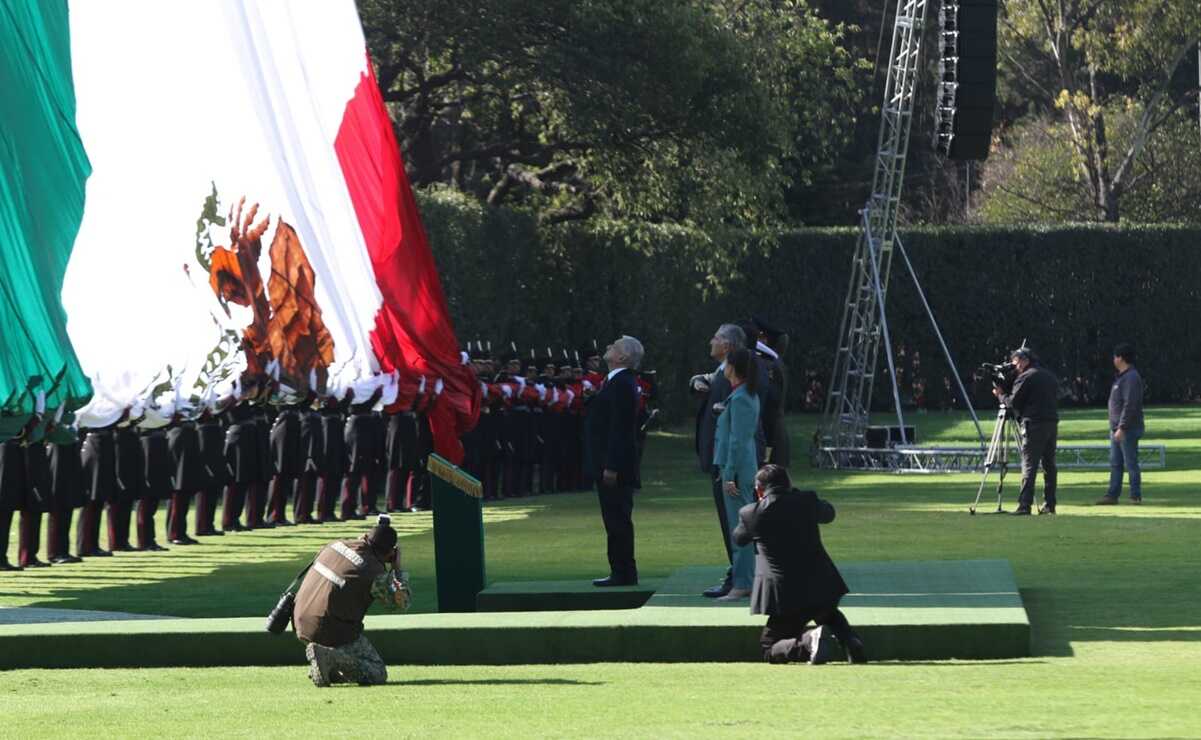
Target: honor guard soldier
(211,435)
(66,483)
(242,458)
(39,498)
(188,476)
(417,492)
(130,471)
(333,420)
(491,411)
(400,440)
(312,453)
(13,483)
(98,459)
(287,461)
(364,438)
(157,472)
(770,344)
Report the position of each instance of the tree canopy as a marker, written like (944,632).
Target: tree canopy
(1102,85)
(685,111)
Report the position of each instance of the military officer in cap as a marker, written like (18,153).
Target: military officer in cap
(770,344)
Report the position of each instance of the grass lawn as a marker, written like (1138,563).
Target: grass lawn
(1111,593)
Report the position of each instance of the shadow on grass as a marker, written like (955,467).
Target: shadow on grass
(495,682)
(956,664)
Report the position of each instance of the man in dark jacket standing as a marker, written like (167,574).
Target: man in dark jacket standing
(1034,399)
(712,389)
(611,456)
(333,598)
(1126,427)
(795,580)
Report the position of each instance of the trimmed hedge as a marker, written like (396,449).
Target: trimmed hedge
(1072,291)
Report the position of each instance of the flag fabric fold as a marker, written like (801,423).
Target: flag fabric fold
(43,168)
(248,208)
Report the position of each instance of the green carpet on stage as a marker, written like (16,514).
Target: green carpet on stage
(905,610)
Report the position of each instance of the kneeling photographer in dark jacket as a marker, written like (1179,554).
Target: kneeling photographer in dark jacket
(1034,399)
(340,585)
(795,580)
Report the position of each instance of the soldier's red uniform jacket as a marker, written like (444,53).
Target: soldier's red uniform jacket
(558,399)
(576,404)
(646,390)
(406,395)
(528,396)
(593,382)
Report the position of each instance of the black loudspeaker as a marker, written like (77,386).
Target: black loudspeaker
(967,78)
(890,436)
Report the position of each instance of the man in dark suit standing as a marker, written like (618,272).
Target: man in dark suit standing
(795,579)
(611,456)
(713,389)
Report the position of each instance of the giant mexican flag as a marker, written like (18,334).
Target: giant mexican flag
(247,207)
(42,172)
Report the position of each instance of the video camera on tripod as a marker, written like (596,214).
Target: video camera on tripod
(1001,376)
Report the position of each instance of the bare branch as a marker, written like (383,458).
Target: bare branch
(1144,125)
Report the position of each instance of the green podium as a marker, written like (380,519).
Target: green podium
(458,536)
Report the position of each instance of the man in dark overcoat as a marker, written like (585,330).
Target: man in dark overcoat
(795,580)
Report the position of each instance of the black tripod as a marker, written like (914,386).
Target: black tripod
(997,455)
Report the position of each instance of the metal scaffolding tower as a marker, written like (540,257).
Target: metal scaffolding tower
(864,324)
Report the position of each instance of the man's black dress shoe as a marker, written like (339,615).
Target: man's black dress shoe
(98,553)
(124,548)
(35,563)
(721,589)
(153,547)
(1046,509)
(1021,511)
(65,559)
(184,541)
(614,581)
(5,565)
(818,643)
(211,533)
(856,653)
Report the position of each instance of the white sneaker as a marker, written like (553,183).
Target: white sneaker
(736,594)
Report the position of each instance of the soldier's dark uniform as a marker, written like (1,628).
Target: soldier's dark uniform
(128,483)
(287,463)
(158,481)
(66,483)
(242,463)
(100,486)
(312,452)
(364,436)
(492,452)
(333,421)
(256,498)
(211,436)
(13,490)
(400,443)
(39,499)
(774,403)
(188,477)
(419,488)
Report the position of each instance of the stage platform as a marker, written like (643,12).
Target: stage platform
(905,610)
(563,596)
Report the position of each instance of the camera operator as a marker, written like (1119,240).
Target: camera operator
(343,581)
(1033,400)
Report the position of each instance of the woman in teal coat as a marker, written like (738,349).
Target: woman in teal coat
(735,455)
